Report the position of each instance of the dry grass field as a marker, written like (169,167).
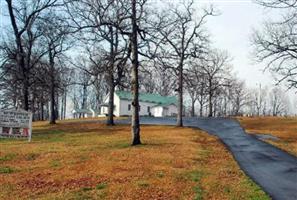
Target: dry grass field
(89,160)
(283,128)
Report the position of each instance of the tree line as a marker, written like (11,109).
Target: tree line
(53,51)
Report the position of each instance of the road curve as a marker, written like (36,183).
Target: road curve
(271,168)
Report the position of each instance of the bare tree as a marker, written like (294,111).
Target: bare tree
(23,17)
(216,70)
(194,80)
(202,93)
(281,4)
(239,97)
(55,37)
(259,100)
(278,102)
(181,36)
(193,93)
(155,78)
(275,45)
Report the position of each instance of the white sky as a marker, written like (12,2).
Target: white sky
(232,30)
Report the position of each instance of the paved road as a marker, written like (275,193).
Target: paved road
(274,170)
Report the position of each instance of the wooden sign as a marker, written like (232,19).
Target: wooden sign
(15,124)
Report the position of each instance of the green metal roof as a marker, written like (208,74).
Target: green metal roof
(81,111)
(147,97)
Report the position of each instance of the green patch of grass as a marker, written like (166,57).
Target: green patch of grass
(143,183)
(160,174)
(55,163)
(49,132)
(6,170)
(83,158)
(101,186)
(227,189)
(256,192)
(80,195)
(56,139)
(198,193)
(49,136)
(86,189)
(8,157)
(87,193)
(195,175)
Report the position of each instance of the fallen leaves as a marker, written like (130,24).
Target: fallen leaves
(88,160)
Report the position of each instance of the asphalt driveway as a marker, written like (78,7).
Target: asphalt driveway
(273,169)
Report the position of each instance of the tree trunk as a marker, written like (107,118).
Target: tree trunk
(26,95)
(210,109)
(214,109)
(225,106)
(134,82)
(193,108)
(42,110)
(52,90)
(62,108)
(52,106)
(201,110)
(33,110)
(65,104)
(180,96)
(110,121)
(57,106)
(85,96)
(20,56)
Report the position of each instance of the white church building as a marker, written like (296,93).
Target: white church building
(150,104)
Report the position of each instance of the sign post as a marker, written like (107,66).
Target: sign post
(15,124)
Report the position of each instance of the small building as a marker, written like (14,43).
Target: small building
(85,113)
(150,104)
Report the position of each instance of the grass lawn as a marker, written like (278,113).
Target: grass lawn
(283,128)
(89,160)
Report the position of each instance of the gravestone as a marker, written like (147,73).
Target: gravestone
(15,124)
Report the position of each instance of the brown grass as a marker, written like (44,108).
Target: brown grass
(89,160)
(285,128)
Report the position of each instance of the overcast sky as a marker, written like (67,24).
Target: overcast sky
(232,31)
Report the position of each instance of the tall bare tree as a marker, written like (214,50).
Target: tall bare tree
(23,16)
(193,80)
(238,96)
(275,45)
(182,35)
(55,36)
(215,69)
(278,103)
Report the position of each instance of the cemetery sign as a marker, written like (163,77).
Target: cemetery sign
(15,124)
